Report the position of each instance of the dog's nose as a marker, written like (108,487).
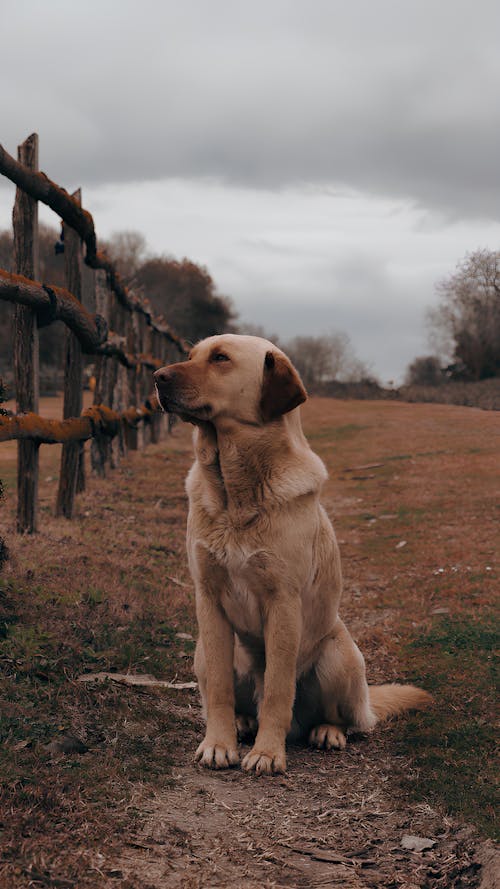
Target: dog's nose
(163,375)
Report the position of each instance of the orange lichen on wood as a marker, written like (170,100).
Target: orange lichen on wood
(41,188)
(95,421)
(90,330)
(104,420)
(61,304)
(41,430)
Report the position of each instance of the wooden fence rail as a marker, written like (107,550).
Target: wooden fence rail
(58,304)
(39,187)
(103,318)
(94,421)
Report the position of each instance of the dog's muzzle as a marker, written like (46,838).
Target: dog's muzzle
(165,383)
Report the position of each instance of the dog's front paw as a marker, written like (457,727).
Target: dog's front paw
(216,755)
(265,762)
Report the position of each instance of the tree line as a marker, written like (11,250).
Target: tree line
(184,293)
(464,328)
(178,289)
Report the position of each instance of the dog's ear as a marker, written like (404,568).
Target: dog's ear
(282,388)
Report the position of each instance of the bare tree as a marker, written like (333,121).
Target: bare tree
(248,329)
(322,358)
(466,324)
(128,250)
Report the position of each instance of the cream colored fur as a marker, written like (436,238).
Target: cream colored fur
(272,654)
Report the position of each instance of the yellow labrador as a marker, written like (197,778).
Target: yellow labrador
(272,655)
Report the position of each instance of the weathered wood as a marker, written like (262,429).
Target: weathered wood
(73,375)
(100,445)
(143,378)
(55,304)
(112,380)
(156,426)
(97,420)
(134,342)
(139,338)
(40,187)
(25,224)
(122,395)
(58,304)
(88,299)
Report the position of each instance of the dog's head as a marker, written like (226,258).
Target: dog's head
(244,378)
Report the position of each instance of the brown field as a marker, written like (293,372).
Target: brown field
(98,785)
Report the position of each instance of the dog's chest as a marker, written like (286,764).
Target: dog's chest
(242,599)
(242,607)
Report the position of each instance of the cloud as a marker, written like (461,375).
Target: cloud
(387,98)
(327,161)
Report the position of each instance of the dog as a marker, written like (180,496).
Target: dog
(273,658)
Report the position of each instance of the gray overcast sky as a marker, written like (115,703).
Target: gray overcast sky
(328,161)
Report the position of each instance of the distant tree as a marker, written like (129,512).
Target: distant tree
(248,329)
(328,357)
(424,371)
(466,324)
(128,250)
(185,294)
(182,291)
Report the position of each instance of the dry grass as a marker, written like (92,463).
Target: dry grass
(484,394)
(110,591)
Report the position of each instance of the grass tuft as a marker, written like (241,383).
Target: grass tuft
(454,743)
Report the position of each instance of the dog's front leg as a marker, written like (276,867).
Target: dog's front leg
(281,636)
(218,750)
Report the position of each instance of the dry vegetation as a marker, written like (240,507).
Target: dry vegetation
(98,788)
(484,394)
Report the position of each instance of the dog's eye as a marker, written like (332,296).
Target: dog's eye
(219,356)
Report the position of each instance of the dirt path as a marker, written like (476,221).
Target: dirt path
(335,819)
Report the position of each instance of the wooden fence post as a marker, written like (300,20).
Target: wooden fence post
(120,395)
(100,446)
(144,377)
(134,346)
(88,300)
(155,421)
(25,224)
(73,375)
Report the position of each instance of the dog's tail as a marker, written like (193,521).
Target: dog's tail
(389,700)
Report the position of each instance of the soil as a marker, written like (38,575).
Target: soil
(412,496)
(335,819)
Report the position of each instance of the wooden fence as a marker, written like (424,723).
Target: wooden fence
(103,318)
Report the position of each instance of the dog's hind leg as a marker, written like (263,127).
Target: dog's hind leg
(344,697)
